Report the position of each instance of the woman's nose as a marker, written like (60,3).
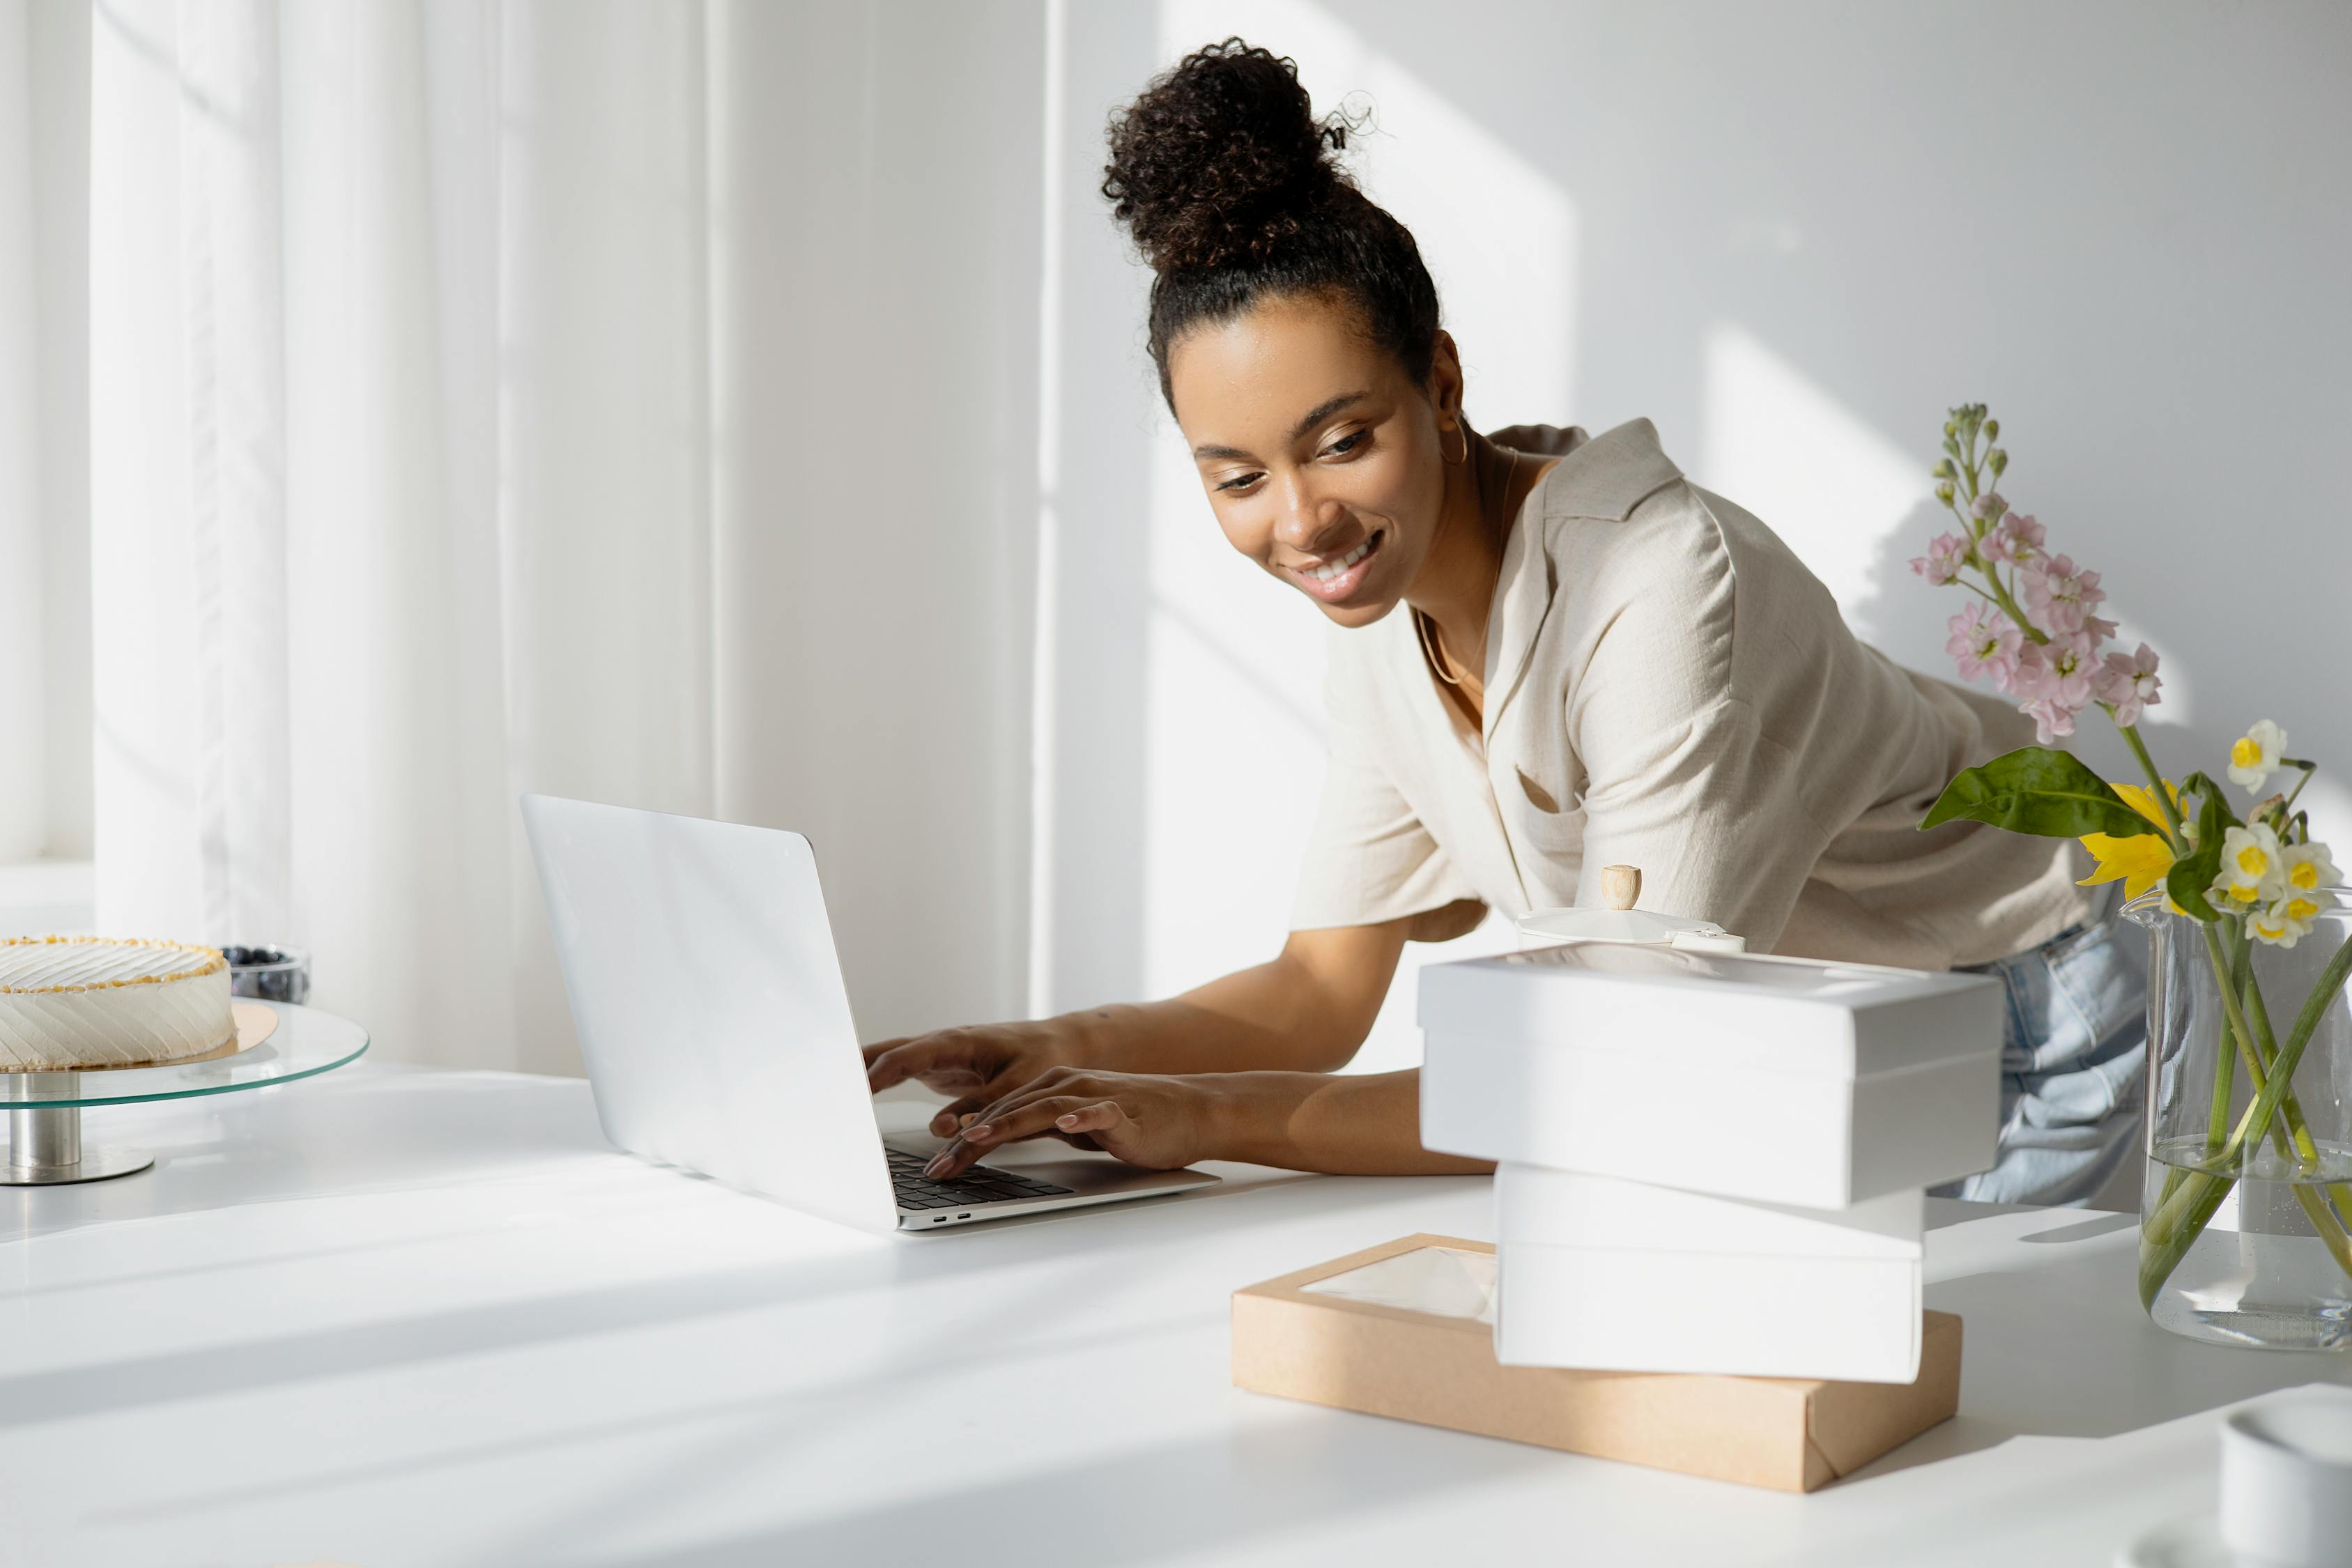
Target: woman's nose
(1303,521)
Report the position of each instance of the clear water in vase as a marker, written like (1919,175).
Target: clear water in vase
(2258,1275)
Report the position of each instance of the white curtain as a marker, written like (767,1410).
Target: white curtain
(633,401)
(44,432)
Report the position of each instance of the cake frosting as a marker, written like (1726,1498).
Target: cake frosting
(96,1002)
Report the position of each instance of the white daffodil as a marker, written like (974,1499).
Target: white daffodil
(2272,927)
(2287,921)
(2255,757)
(2253,869)
(2308,867)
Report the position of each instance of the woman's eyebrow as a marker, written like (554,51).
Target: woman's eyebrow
(1315,416)
(1325,409)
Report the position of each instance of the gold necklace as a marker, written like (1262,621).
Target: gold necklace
(1440,665)
(1437,662)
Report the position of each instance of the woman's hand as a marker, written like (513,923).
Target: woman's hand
(1367,1125)
(1306,1009)
(979,1066)
(1157,1120)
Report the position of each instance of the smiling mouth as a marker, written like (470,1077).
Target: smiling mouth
(1338,576)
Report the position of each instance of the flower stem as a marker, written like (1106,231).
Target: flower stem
(2308,769)
(2294,1138)
(2000,595)
(2130,733)
(2167,1235)
(2225,1064)
(2258,1113)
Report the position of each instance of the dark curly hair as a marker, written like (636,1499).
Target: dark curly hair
(1228,184)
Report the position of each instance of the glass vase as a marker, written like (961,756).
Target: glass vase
(2246,1213)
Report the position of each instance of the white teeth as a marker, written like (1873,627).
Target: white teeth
(1331,569)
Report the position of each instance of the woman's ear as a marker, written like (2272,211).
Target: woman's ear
(1446,383)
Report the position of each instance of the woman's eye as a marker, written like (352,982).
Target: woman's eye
(1239,482)
(1346,444)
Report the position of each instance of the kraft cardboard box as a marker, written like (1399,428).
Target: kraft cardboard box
(1299,1337)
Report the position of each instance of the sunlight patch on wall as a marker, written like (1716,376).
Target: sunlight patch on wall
(1233,739)
(1837,491)
(2176,704)
(2327,800)
(1855,506)
(1234,728)
(1498,236)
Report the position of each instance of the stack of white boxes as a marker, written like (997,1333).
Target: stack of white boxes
(1710,1162)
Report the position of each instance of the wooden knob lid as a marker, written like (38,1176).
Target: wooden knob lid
(1621,885)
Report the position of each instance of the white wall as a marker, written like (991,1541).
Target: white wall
(1793,234)
(876,396)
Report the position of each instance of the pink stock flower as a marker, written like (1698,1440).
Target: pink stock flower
(2061,596)
(2054,679)
(1984,644)
(1989,504)
(2014,541)
(2059,670)
(1943,561)
(2129,681)
(2053,719)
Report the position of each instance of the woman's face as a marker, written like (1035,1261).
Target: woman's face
(1320,457)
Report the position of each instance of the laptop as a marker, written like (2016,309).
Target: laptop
(712,1012)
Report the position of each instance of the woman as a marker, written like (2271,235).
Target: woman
(1562,655)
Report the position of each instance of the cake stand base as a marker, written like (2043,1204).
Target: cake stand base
(44,1150)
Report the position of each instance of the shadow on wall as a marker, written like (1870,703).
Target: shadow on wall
(1793,239)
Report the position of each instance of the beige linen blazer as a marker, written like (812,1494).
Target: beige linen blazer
(1668,686)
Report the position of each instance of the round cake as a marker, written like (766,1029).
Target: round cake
(71,1002)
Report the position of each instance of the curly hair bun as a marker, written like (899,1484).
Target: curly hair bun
(1221,160)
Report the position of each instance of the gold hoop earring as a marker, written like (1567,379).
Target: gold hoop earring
(1464,431)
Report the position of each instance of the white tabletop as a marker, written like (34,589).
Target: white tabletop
(402,1318)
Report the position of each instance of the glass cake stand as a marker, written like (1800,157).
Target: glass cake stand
(45,1143)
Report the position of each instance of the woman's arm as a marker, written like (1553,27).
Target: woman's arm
(1302,1122)
(1308,1010)
(1305,1012)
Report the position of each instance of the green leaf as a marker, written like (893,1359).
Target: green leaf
(2192,874)
(2216,800)
(2037,791)
(2189,879)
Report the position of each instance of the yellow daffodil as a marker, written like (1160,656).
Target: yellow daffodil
(2140,861)
(2142,799)
(2255,756)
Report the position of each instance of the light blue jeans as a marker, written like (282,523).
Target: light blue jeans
(2073,1060)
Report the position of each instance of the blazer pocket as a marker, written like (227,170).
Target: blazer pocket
(1552,826)
(1537,795)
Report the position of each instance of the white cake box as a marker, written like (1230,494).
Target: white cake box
(1780,1079)
(1618,1276)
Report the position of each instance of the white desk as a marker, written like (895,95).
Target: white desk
(400,1318)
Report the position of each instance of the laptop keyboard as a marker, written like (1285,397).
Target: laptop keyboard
(980,1184)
